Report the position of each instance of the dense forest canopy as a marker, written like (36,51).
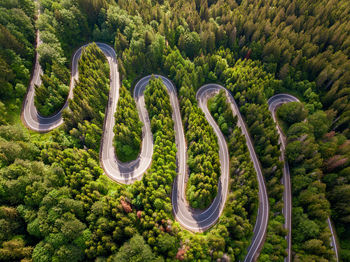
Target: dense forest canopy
(56,204)
(128,128)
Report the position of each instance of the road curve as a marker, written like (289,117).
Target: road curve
(259,231)
(200,220)
(274,102)
(194,220)
(30,116)
(118,171)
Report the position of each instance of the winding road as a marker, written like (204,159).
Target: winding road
(274,102)
(193,220)
(203,94)
(126,173)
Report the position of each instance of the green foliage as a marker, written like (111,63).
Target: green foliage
(135,250)
(189,42)
(311,234)
(297,42)
(63,26)
(250,85)
(92,8)
(238,218)
(66,24)
(139,45)
(15,249)
(16,149)
(203,158)
(46,210)
(202,151)
(50,96)
(16,50)
(151,195)
(291,112)
(299,151)
(3,114)
(86,114)
(12,228)
(167,245)
(222,113)
(335,151)
(66,209)
(320,123)
(80,167)
(110,225)
(162,125)
(19,180)
(127,128)
(15,144)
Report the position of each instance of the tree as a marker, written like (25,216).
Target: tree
(3,114)
(298,129)
(167,244)
(15,249)
(136,250)
(320,123)
(92,8)
(315,246)
(190,44)
(85,118)
(291,112)
(294,152)
(51,95)
(127,128)
(49,53)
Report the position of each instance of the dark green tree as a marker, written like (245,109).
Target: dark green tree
(128,128)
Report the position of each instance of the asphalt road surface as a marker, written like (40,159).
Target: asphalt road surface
(259,231)
(200,220)
(274,102)
(190,219)
(193,220)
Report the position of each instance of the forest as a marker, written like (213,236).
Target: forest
(127,128)
(56,203)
